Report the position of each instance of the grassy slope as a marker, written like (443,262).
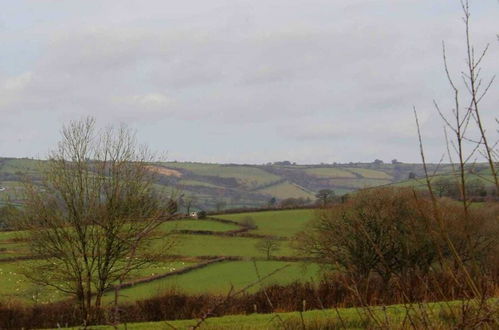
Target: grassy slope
(370,174)
(286,190)
(484,176)
(247,175)
(359,183)
(252,185)
(329,172)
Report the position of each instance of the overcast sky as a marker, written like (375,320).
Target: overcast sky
(238,81)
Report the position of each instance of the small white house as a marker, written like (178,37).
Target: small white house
(2,188)
(194,215)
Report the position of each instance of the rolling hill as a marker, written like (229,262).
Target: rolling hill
(233,185)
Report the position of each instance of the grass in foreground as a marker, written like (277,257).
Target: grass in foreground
(391,317)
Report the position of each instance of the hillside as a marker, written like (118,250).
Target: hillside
(231,185)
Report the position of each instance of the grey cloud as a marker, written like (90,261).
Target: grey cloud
(297,70)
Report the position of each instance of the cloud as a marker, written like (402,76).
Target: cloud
(276,75)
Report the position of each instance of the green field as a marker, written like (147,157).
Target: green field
(330,172)
(226,246)
(197,183)
(243,185)
(188,248)
(247,175)
(370,174)
(191,224)
(20,165)
(278,223)
(219,277)
(359,183)
(340,318)
(287,190)
(15,286)
(483,176)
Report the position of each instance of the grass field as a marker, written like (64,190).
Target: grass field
(197,183)
(286,190)
(420,183)
(247,175)
(340,318)
(215,278)
(210,245)
(16,286)
(219,277)
(279,223)
(20,165)
(330,172)
(370,174)
(191,224)
(13,190)
(359,183)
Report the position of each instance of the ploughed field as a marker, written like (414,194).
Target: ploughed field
(207,256)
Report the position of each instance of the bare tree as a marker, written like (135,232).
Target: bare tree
(463,145)
(95,220)
(268,245)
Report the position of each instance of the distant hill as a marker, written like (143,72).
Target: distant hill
(236,185)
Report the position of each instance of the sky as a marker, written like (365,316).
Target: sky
(240,81)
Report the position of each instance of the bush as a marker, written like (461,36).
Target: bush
(393,232)
(249,222)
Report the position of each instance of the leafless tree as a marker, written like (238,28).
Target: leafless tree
(268,245)
(96,218)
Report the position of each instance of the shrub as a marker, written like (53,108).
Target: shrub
(249,222)
(392,232)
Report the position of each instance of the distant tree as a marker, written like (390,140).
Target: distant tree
(445,187)
(378,162)
(345,197)
(268,246)
(294,202)
(411,175)
(9,216)
(325,197)
(202,214)
(283,163)
(395,161)
(220,205)
(476,188)
(249,222)
(189,202)
(272,202)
